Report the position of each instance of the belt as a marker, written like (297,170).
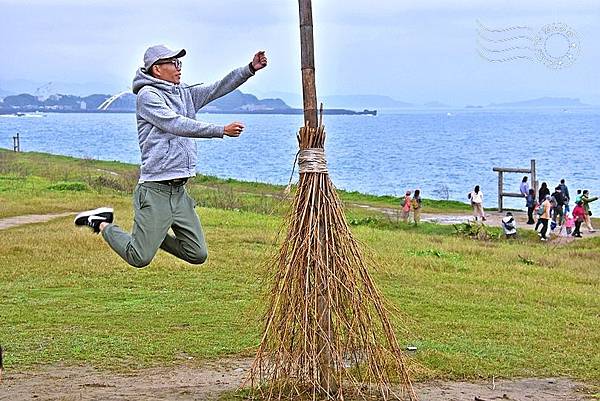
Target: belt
(175,182)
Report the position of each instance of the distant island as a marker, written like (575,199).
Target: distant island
(558,102)
(238,102)
(389,104)
(235,102)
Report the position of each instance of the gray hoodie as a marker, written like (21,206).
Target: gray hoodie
(166,122)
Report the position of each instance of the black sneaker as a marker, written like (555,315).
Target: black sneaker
(93,218)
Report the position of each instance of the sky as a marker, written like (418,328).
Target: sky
(413,51)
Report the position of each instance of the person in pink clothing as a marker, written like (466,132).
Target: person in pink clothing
(406,206)
(569,223)
(579,216)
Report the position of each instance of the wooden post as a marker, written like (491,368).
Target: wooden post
(534,183)
(502,170)
(16,143)
(500,189)
(307,60)
(309,95)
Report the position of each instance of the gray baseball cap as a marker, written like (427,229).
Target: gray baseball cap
(160,52)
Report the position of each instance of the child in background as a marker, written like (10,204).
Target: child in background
(578,215)
(406,207)
(569,223)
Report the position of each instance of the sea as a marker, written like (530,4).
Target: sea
(444,153)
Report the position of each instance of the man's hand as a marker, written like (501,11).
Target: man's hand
(259,61)
(234,129)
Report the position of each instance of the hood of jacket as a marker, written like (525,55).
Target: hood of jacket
(142,79)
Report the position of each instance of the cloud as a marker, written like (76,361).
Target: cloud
(386,47)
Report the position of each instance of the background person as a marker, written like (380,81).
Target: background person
(558,202)
(579,216)
(569,223)
(524,188)
(565,191)
(544,213)
(416,206)
(586,200)
(531,204)
(406,207)
(509,225)
(476,197)
(543,192)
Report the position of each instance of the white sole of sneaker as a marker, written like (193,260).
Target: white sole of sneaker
(81,218)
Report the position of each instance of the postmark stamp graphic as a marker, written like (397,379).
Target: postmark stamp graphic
(555,45)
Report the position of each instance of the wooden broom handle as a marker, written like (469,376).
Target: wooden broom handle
(307,60)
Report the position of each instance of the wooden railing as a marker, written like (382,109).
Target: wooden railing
(502,170)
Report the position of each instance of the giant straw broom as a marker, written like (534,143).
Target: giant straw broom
(327,331)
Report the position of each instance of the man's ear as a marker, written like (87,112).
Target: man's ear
(155,70)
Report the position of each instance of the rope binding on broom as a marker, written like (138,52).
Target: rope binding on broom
(312,160)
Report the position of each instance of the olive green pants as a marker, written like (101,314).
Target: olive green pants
(158,208)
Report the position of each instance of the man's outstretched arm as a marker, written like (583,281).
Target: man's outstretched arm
(202,95)
(152,108)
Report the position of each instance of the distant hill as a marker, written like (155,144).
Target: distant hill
(60,102)
(24,100)
(235,101)
(239,101)
(542,102)
(355,102)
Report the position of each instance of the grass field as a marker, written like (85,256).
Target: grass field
(473,308)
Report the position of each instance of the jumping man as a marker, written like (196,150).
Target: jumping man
(166,124)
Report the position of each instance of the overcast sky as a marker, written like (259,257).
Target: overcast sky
(415,51)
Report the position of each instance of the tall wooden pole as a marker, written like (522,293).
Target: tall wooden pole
(307,61)
(534,183)
(309,94)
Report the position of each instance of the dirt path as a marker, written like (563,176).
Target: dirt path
(188,382)
(30,219)
(493,218)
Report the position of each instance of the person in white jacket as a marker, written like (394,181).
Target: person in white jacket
(476,197)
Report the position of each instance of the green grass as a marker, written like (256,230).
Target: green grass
(473,308)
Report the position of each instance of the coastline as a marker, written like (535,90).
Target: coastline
(20,112)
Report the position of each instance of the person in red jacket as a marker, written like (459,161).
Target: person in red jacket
(579,216)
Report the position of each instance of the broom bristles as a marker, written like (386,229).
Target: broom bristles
(327,331)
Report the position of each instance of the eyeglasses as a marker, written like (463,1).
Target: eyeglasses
(175,61)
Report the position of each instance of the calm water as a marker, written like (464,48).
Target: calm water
(387,154)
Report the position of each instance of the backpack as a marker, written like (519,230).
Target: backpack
(540,210)
(509,225)
(553,201)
